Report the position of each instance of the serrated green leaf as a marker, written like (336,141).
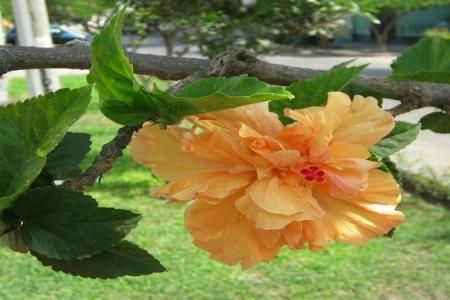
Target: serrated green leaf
(212,94)
(63,224)
(313,92)
(343,64)
(438,122)
(30,130)
(122,98)
(66,157)
(428,60)
(401,136)
(124,259)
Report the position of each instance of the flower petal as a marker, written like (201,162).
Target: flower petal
(262,218)
(276,197)
(347,177)
(293,235)
(349,221)
(383,189)
(318,119)
(219,147)
(232,239)
(155,147)
(365,124)
(340,150)
(207,220)
(210,185)
(256,116)
(257,142)
(338,103)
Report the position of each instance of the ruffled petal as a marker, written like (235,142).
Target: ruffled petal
(383,189)
(256,116)
(318,119)
(219,147)
(161,151)
(338,103)
(347,177)
(292,234)
(341,150)
(257,142)
(262,218)
(232,239)
(276,197)
(208,221)
(352,221)
(209,185)
(283,158)
(365,123)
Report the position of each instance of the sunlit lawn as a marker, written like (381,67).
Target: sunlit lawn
(414,264)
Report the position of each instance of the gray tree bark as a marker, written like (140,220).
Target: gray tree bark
(237,61)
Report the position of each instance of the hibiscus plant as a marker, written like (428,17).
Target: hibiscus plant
(260,166)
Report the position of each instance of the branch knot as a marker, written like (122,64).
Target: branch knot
(234,61)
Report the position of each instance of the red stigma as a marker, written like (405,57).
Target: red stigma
(313,173)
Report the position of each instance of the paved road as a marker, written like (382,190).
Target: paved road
(429,151)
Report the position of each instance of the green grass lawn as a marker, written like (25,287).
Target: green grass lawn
(413,264)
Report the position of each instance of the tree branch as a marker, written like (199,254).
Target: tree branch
(410,102)
(104,161)
(241,62)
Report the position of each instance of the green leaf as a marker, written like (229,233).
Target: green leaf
(30,130)
(211,94)
(389,166)
(161,85)
(401,136)
(314,91)
(122,98)
(343,64)
(124,259)
(66,157)
(63,224)
(438,122)
(428,60)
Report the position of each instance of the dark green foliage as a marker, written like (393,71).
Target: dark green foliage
(62,224)
(64,160)
(428,60)
(30,130)
(438,122)
(124,259)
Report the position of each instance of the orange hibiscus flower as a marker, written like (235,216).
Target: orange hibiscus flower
(256,185)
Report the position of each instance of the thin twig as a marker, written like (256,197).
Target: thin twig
(104,161)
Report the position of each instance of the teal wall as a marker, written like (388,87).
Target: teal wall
(361,25)
(415,23)
(411,25)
